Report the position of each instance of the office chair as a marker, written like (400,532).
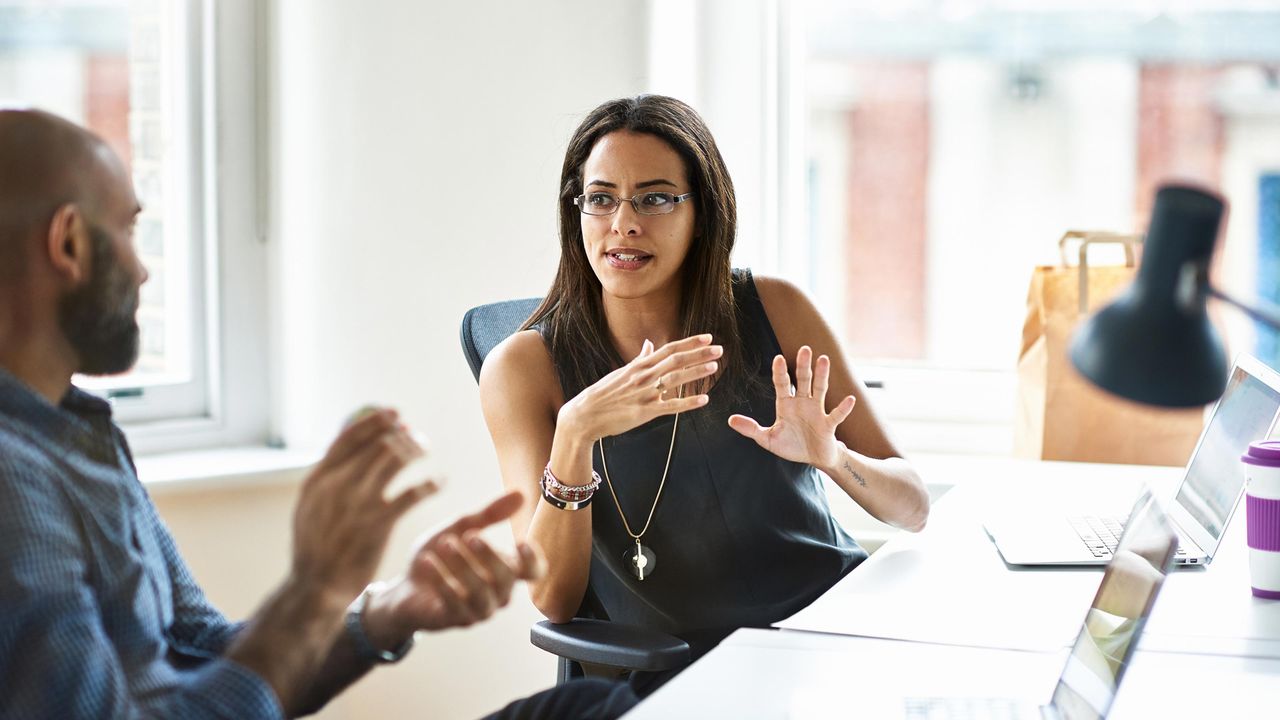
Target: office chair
(589,638)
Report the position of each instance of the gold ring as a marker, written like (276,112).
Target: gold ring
(660,387)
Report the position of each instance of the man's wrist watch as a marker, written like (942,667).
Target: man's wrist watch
(364,647)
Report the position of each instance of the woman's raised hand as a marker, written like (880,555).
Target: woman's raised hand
(643,389)
(803,430)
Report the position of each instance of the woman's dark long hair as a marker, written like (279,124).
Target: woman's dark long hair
(571,316)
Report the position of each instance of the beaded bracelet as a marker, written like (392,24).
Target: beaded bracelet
(568,497)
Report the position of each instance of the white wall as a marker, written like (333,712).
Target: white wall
(418,148)
(415,154)
(418,152)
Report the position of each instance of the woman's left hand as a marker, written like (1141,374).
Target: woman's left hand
(803,430)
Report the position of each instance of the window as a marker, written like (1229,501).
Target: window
(113,66)
(147,76)
(946,148)
(916,160)
(946,153)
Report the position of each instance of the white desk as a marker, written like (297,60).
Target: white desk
(948,584)
(939,613)
(791,675)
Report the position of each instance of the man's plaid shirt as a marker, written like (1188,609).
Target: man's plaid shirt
(99,616)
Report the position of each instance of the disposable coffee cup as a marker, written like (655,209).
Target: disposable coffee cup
(1262,516)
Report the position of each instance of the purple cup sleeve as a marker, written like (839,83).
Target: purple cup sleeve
(1262,517)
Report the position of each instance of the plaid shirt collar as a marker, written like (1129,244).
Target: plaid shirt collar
(76,421)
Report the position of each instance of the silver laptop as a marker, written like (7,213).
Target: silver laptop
(1107,638)
(1210,489)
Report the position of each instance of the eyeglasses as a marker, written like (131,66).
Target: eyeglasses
(650,203)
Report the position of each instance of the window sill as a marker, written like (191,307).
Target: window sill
(222,468)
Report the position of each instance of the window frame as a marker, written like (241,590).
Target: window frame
(758,128)
(229,403)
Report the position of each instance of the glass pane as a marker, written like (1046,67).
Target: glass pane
(950,145)
(107,64)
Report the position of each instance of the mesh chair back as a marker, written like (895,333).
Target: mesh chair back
(485,326)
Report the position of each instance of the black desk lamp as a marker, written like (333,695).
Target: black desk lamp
(1154,343)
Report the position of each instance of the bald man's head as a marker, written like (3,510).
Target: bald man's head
(46,162)
(67,263)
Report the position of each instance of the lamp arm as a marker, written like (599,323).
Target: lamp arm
(1263,312)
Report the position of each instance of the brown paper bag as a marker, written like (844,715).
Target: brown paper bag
(1061,416)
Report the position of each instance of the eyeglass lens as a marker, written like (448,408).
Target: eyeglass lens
(603,203)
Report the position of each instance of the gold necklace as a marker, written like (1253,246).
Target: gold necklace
(641,559)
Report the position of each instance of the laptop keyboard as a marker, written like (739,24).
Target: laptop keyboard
(1102,534)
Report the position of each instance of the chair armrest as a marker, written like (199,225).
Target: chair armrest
(599,642)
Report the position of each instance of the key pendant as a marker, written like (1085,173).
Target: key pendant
(641,560)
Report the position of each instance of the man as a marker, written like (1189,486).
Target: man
(99,616)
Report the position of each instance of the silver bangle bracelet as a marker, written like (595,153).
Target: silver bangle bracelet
(565,504)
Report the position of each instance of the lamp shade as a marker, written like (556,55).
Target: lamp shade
(1154,343)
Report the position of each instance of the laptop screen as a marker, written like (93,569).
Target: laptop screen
(1119,611)
(1243,415)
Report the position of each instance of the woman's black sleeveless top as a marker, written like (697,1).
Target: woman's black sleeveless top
(741,537)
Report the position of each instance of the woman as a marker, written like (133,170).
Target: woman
(655,367)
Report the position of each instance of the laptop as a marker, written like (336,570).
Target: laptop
(1107,638)
(1210,490)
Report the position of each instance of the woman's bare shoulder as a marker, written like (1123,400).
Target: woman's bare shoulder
(521,365)
(794,317)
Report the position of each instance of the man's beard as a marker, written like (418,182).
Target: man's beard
(99,319)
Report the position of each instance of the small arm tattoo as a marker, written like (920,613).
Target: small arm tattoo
(860,480)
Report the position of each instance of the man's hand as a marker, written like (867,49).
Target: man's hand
(343,518)
(340,530)
(455,579)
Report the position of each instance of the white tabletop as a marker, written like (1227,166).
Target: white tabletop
(948,584)
(940,614)
(793,675)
